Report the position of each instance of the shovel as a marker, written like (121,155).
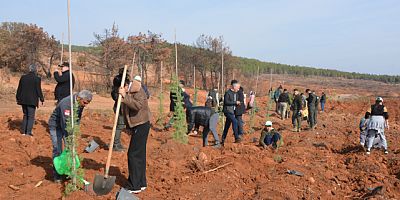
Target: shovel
(103,185)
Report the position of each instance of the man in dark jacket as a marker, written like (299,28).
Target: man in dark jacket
(231,101)
(28,94)
(58,125)
(312,109)
(283,102)
(187,104)
(297,108)
(120,125)
(61,75)
(240,110)
(206,117)
(276,95)
(323,101)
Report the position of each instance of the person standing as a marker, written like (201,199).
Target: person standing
(58,125)
(312,109)
(378,117)
(297,111)
(323,101)
(283,101)
(136,113)
(61,75)
(239,111)
(277,93)
(120,124)
(231,101)
(187,104)
(29,93)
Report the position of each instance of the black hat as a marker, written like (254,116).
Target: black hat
(64,64)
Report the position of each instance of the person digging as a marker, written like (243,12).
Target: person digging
(57,122)
(269,136)
(206,117)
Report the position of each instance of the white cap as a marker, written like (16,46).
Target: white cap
(138,78)
(268,123)
(379,99)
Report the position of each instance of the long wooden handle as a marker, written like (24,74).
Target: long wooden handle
(115,124)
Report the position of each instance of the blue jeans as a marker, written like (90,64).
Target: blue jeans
(272,139)
(230,119)
(57,138)
(323,106)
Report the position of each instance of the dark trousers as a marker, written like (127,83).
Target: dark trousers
(312,115)
(230,119)
(240,124)
(296,119)
(272,139)
(28,120)
(137,156)
(118,130)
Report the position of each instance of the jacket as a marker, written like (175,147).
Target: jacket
(284,98)
(277,93)
(230,99)
(135,108)
(323,98)
(199,116)
(312,101)
(377,110)
(240,109)
(62,89)
(185,100)
(297,103)
(61,113)
(29,90)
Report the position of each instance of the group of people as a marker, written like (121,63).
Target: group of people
(134,116)
(301,106)
(373,125)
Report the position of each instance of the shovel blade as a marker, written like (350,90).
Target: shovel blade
(103,185)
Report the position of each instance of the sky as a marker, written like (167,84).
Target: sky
(347,35)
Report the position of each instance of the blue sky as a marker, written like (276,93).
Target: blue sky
(350,35)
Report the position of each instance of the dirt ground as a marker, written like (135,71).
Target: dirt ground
(333,164)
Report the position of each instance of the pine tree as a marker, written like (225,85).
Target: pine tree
(77,173)
(179,114)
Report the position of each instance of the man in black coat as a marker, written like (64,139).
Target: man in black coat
(187,104)
(240,110)
(297,107)
(28,94)
(231,101)
(312,108)
(61,75)
(120,124)
(206,117)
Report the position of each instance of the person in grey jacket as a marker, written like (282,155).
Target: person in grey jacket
(57,122)
(231,101)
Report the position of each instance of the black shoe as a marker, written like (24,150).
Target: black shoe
(239,140)
(119,149)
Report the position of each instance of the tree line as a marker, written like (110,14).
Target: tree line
(22,44)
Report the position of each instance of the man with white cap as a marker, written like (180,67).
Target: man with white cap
(269,136)
(378,120)
(138,78)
